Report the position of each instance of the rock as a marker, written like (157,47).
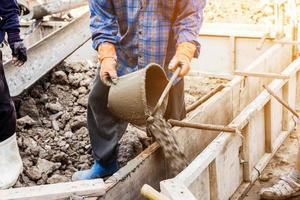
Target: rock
(47,167)
(28,142)
(82,90)
(34,173)
(78,122)
(83,101)
(60,77)
(26,121)
(55,125)
(56,178)
(28,107)
(56,116)
(86,82)
(69,134)
(265,177)
(54,107)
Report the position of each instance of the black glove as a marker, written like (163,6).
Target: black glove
(19,51)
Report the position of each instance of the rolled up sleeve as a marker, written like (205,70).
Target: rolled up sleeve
(188,22)
(103,22)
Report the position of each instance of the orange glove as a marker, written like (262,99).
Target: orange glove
(184,53)
(108,61)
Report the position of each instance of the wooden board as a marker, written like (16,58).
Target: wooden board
(57,191)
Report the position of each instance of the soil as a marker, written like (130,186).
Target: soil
(52,128)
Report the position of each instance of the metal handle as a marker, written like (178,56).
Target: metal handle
(166,90)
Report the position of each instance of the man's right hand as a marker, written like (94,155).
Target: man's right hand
(108,72)
(108,60)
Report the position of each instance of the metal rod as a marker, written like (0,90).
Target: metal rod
(204,98)
(166,90)
(209,127)
(281,101)
(263,75)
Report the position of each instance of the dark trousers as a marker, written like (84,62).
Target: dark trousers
(7,109)
(106,130)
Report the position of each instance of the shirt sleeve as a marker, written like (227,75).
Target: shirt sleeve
(103,22)
(188,22)
(10,16)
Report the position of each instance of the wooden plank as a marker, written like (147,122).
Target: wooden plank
(200,188)
(213,181)
(262,75)
(268,128)
(90,188)
(175,190)
(229,169)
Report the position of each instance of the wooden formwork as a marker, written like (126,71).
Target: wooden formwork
(232,162)
(150,166)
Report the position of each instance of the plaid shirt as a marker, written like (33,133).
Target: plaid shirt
(145,31)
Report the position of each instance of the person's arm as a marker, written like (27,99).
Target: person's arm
(105,28)
(186,27)
(103,22)
(11,26)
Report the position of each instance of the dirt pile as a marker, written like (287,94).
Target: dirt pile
(52,128)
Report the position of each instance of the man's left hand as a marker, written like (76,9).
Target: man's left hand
(184,54)
(19,53)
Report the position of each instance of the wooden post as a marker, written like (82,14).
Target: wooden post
(268,127)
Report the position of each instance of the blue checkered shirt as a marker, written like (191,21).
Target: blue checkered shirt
(145,31)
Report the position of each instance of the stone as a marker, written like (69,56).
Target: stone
(60,77)
(83,101)
(25,121)
(78,122)
(54,107)
(28,107)
(46,166)
(34,173)
(55,125)
(56,178)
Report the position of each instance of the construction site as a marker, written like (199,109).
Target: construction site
(242,98)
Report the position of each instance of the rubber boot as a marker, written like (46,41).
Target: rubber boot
(97,171)
(11,164)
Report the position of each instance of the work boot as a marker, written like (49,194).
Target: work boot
(97,171)
(10,162)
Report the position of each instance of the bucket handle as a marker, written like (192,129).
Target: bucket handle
(166,90)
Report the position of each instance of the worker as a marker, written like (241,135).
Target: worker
(288,185)
(129,35)
(10,161)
